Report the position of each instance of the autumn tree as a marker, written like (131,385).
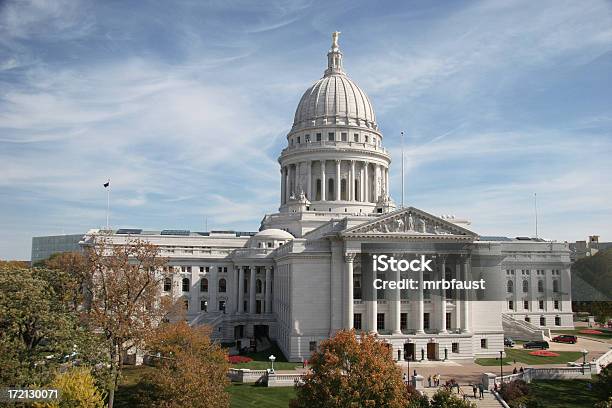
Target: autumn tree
(348,371)
(77,388)
(190,370)
(72,287)
(124,292)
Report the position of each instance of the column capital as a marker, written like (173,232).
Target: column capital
(350,257)
(337,161)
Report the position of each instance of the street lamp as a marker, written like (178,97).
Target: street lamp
(501,367)
(584,354)
(272,358)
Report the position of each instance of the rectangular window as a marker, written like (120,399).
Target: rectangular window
(344,137)
(357,321)
(448,321)
(318,137)
(556,305)
(307,138)
(298,140)
(201,269)
(225,269)
(541,304)
(511,304)
(222,305)
(366,139)
(258,306)
(557,321)
(312,346)
(455,348)
(526,304)
(219,269)
(426,321)
(380,321)
(404,321)
(542,321)
(356,137)
(330,136)
(483,343)
(203,305)
(357,287)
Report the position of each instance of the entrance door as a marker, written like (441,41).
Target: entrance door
(431,351)
(409,349)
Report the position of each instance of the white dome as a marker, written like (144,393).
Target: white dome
(334,99)
(274,233)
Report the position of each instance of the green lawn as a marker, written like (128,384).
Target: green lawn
(261,360)
(126,396)
(606,335)
(523,356)
(563,393)
(246,395)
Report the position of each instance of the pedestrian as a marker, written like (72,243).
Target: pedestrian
(495,387)
(414,373)
(474,389)
(429,381)
(522,370)
(514,371)
(405,378)
(481,390)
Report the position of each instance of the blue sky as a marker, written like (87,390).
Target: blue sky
(185,106)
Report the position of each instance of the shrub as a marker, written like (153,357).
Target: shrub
(515,392)
(445,399)
(77,389)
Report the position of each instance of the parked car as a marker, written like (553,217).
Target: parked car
(543,345)
(508,342)
(565,338)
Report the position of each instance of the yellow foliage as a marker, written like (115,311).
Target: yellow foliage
(77,390)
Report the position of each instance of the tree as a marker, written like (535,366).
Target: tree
(603,383)
(74,266)
(77,389)
(445,399)
(190,370)
(124,293)
(37,331)
(352,372)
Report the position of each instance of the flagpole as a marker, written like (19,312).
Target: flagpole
(402,141)
(535,206)
(107,205)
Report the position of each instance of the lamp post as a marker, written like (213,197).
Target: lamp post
(272,358)
(501,367)
(584,354)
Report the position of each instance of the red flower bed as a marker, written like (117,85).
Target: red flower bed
(590,331)
(543,353)
(239,359)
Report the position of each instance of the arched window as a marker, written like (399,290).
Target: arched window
(541,286)
(525,286)
(167,284)
(343,192)
(222,285)
(510,286)
(330,190)
(185,284)
(258,286)
(318,190)
(555,286)
(203,285)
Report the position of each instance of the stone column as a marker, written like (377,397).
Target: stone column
(283,198)
(377,181)
(465,304)
(396,305)
(240,308)
(420,309)
(296,181)
(386,180)
(309,179)
(443,328)
(351,189)
(323,183)
(287,184)
(268,294)
(348,290)
(372,310)
(361,185)
(338,190)
(213,285)
(252,308)
(366,195)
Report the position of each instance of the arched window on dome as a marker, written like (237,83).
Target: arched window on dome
(318,190)
(343,192)
(330,190)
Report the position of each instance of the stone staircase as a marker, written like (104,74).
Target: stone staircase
(213,320)
(489,400)
(520,329)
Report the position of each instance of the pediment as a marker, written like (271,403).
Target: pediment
(408,222)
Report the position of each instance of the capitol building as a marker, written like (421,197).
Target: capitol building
(302,277)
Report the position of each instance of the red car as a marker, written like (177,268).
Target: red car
(565,338)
